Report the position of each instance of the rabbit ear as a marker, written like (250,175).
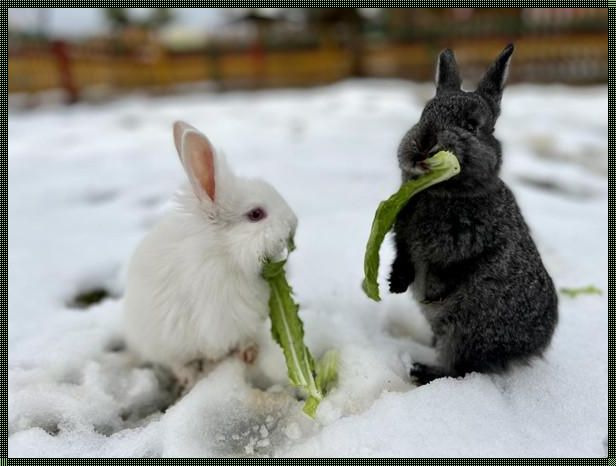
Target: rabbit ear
(447,76)
(493,82)
(197,156)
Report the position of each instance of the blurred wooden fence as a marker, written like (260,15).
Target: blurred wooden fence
(569,58)
(39,70)
(566,58)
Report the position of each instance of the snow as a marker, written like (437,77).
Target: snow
(86,183)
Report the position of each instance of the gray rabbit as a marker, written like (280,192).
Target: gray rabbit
(463,244)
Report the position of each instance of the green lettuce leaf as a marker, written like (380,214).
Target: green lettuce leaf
(585,290)
(288,332)
(443,166)
(327,371)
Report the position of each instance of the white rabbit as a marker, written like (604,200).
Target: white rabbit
(194,287)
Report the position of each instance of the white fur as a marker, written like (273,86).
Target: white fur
(194,287)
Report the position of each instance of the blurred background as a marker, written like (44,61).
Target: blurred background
(90,53)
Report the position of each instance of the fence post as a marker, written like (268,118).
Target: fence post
(61,53)
(214,66)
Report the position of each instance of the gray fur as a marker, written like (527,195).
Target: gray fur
(464,244)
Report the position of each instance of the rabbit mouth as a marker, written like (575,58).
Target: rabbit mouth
(420,157)
(418,164)
(417,167)
(282,250)
(423,165)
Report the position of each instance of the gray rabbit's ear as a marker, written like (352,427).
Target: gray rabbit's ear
(447,76)
(493,82)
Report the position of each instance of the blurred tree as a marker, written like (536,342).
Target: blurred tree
(117,18)
(120,18)
(263,20)
(159,18)
(43,21)
(326,20)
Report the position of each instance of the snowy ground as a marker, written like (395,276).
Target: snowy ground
(87,182)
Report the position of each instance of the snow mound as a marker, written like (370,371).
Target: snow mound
(87,182)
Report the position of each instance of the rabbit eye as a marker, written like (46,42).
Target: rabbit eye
(471,125)
(256,215)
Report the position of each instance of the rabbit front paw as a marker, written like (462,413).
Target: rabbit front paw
(400,278)
(188,375)
(422,374)
(398,283)
(248,354)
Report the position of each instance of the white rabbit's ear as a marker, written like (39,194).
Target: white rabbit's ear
(197,156)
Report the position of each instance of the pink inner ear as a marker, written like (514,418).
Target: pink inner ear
(203,168)
(197,156)
(179,128)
